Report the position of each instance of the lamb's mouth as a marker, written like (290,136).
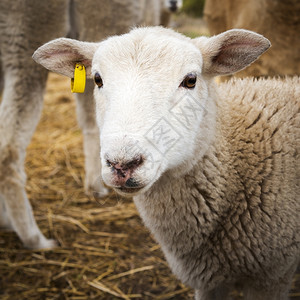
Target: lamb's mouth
(131,186)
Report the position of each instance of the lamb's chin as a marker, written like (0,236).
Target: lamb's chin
(128,192)
(131,192)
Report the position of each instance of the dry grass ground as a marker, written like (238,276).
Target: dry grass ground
(105,251)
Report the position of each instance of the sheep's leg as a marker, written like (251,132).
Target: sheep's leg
(1,77)
(4,221)
(87,122)
(19,113)
(19,216)
(23,28)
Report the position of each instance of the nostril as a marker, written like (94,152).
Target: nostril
(117,168)
(109,163)
(122,171)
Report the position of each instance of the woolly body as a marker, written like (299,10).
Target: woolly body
(235,216)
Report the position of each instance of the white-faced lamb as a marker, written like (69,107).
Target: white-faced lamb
(213,170)
(24,26)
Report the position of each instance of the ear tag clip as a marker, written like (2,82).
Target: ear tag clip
(78,82)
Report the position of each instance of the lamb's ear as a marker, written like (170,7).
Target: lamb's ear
(230,51)
(61,55)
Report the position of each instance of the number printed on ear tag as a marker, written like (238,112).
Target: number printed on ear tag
(78,82)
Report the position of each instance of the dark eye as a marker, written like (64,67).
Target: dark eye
(189,81)
(98,80)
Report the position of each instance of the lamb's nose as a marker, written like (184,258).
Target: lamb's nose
(124,170)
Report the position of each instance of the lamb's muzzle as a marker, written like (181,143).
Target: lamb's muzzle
(123,173)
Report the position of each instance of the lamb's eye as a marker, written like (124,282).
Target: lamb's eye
(189,81)
(98,80)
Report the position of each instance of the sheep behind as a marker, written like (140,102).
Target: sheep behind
(278,20)
(169,7)
(158,12)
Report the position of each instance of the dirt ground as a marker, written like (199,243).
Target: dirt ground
(105,251)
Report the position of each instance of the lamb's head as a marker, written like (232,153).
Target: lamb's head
(154,105)
(172,5)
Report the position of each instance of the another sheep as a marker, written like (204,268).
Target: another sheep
(275,19)
(214,170)
(25,25)
(158,12)
(167,8)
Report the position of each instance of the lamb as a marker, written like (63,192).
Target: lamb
(24,26)
(277,20)
(213,170)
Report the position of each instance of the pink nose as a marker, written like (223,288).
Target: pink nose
(122,172)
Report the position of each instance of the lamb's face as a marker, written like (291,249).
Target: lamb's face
(153,106)
(150,102)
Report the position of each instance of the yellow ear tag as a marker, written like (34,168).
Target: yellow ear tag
(78,82)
